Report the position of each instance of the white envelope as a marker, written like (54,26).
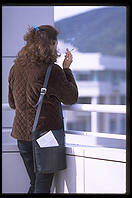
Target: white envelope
(47,140)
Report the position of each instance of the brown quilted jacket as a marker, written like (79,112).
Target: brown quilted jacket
(24,90)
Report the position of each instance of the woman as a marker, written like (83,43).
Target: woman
(25,82)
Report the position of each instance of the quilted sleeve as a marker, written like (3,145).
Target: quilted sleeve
(63,86)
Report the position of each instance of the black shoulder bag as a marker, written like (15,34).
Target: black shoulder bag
(48,146)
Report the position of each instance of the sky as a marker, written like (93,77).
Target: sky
(61,12)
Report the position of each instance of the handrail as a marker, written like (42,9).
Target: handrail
(86,107)
(96,108)
(96,134)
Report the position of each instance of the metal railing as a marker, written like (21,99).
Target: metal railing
(86,107)
(96,108)
(121,109)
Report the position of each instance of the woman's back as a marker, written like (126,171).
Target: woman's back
(26,83)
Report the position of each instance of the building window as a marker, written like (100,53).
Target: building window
(84,100)
(101,100)
(82,77)
(113,99)
(122,75)
(123,125)
(114,77)
(123,100)
(102,75)
(87,76)
(112,125)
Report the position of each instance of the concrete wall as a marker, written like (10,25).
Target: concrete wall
(15,22)
(89,170)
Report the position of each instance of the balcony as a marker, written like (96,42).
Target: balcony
(92,167)
(96,161)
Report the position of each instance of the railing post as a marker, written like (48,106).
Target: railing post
(94,127)
(107,116)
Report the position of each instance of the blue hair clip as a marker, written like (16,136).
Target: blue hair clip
(36,28)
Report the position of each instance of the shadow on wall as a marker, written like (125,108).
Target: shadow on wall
(65,181)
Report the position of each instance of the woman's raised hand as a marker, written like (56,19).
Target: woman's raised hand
(68,59)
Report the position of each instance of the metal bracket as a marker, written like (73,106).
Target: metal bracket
(43,91)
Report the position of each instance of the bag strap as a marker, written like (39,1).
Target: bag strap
(42,94)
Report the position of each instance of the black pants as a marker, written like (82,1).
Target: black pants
(40,183)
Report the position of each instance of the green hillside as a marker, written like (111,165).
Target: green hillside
(101,30)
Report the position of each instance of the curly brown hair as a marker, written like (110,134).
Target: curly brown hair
(39,46)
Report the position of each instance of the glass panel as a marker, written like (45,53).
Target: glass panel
(77,121)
